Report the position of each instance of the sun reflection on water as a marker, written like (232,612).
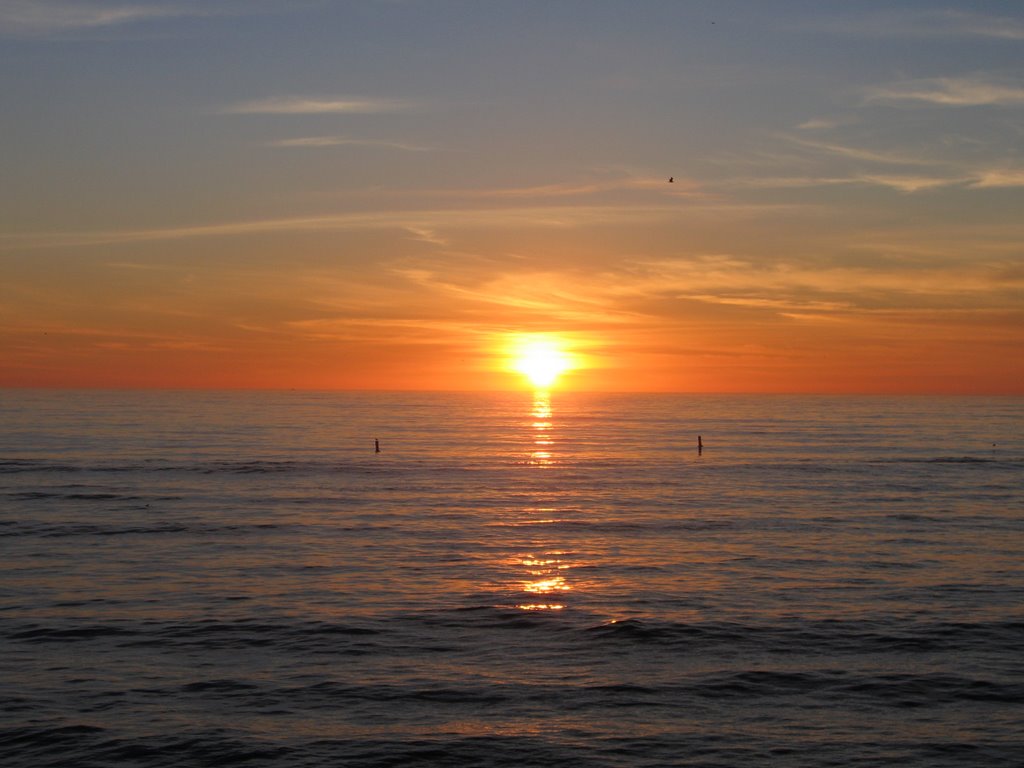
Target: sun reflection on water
(544,578)
(543,439)
(543,572)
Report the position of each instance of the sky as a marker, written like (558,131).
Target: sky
(398,194)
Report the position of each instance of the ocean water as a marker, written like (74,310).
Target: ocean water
(207,579)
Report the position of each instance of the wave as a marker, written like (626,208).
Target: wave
(210,634)
(58,747)
(806,638)
(692,737)
(819,464)
(15,528)
(823,637)
(15,466)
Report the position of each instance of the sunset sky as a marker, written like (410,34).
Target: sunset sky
(393,194)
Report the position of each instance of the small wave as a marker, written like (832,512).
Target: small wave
(834,686)
(751,684)
(15,528)
(59,530)
(14,466)
(27,738)
(486,617)
(968,460)
(308,637)
(84,745)
(637,630)
(823,638)
(907,690)
(826,637)
(218,686)
(656,525)
(960,460)
(66,745)
(900,691)
(58,747)
(244,467)
(41,634)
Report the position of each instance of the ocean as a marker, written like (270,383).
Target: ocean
(517,579)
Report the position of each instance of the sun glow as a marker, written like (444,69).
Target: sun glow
(541,360)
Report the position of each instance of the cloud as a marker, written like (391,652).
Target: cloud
(553,216)
(42,17)
(859,153)
(901,183)
(950,92)
(302,105)
(818,124)
(552,295)
(427,235)
(907,183)
(802,285)
(312,142)
(679,187)
(927,24)
(987,26)
(1013,177)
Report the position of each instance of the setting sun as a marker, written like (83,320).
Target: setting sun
(542,361)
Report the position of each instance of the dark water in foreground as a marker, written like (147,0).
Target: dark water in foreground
(237,579)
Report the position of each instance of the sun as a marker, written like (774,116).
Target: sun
(541,360)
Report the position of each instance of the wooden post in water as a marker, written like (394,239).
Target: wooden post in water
(700,445)
(376,445)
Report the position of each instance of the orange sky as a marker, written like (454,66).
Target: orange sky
(373,210)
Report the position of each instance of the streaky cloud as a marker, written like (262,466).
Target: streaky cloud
(680,186)
(302,105)
(410,220)
(1000,178)
(858,153)
(949,92)
(314,142)
(938,23)
(965,24)
(908,183)
(43,17)
(900,183)
(818,124)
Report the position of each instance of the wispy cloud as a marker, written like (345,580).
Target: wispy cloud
(931,165)
(42,17)
(937,23)
(907,183)
(818,124)
(551,294)
(410,220)
(859,153)
(304,105)
(679,186)
(1013,177)
(950,92)
(900,183)
(1001,28)
(427,235)
(805,285)
(314,142)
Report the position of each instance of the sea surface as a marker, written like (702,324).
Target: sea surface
(214,579)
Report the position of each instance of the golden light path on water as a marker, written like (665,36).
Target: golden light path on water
(546,572)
